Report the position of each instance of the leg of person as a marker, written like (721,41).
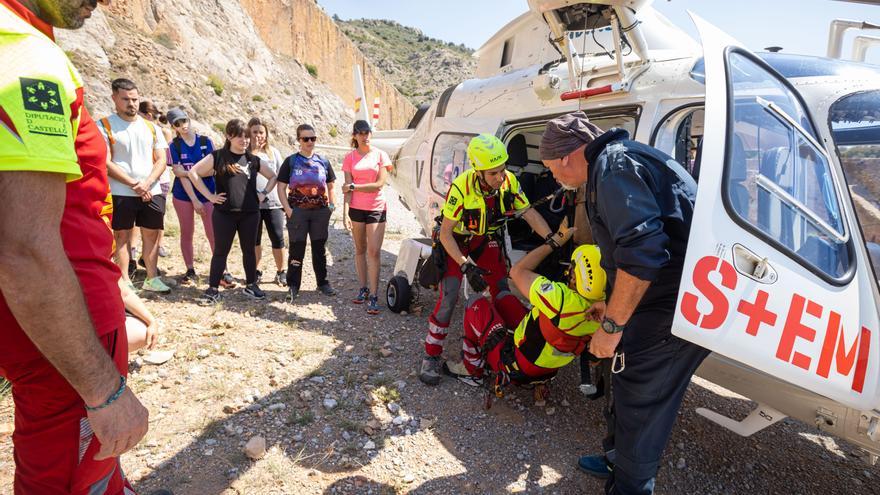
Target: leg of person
(492,259)
(122,225)
(647,395)
(208,222)
(297,231)
(151,219)
(54,446)
(264,218)
(318,233)
(375,236)
(247,237)
(359,235)
(438,323)
(275,228)
(186,218)
(224,231)
(480,320)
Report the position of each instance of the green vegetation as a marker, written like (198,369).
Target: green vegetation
(5,389)
(258,98)
(216,84)
(313,71)
(165,40)
(387,395)
(334,131)
(219,127)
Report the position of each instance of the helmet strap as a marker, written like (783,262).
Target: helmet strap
(484,186)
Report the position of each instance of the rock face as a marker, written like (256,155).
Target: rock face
(301,29)
(211,58)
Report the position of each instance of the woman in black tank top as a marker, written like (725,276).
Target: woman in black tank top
(237,205)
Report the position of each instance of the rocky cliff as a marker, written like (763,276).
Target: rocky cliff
(211,58)
(301,29)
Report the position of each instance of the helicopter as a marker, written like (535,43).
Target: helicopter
(781,273)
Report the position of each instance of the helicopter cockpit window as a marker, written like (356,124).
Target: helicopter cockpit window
(855,124)
(778,178)
(448,160)
(680,135)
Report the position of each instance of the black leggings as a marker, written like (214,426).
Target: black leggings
(226,225)
(313,224)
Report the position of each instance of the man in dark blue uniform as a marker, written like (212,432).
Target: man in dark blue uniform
(639,204)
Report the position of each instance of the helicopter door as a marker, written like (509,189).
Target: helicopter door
(772,277)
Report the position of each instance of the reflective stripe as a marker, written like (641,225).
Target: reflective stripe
(476,362)
(469,349)
(85,437)
(436,329)
(430,339)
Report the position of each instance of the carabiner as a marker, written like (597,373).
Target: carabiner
(614,360)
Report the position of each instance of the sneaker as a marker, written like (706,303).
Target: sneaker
(211,296)
(164,252)
(429,373)
(373,306)
(156,285)
(259,276)
(227,282)
(470,380)
(292,294)
(281,278)
(254,292)
(189,277)
(142,263)
(327,290)
(362,296)
(595,465)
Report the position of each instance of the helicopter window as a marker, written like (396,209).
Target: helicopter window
(791,66)
(855,124)
(448,160)
(778,178)
(507,52)
(679,135)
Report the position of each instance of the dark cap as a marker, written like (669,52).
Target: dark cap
(567,133)
(176,114)
(361,126)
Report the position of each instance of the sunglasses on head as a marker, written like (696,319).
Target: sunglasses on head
(180,122)
(308,138)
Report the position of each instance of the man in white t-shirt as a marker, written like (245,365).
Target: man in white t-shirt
(136,160)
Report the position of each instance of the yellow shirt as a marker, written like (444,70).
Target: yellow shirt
(466,203)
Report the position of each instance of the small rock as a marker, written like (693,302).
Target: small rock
(346,436)
(374,424)
(202,354)
(408,478)
(229,409)
(386,352)
(330,403)
(680,445)
(210,442)
(520,457)
(565,403)
(392,407)
(550,411)
(306,395)
(255,448)
(277,407)
(298,437)
(426,423)
(398,420)
(317,379)
(370,445)
(158,357)
(681,463)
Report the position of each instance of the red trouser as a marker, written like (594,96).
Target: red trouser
(492,259)
(53,441)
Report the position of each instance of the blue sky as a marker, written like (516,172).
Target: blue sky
(753,22)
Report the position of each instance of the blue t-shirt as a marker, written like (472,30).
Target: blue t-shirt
(307,180)
(187,156)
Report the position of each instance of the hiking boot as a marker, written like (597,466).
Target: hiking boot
(281,278)
(254,292)
(142,263)
(259,275)
(189,277)
(595,465)
(211,296)
(373,306)
(470,380)
(429,373)
(156,285)
(292,294)
(327,290)
(362,296)
(227,282)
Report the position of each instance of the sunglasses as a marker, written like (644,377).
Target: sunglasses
(180,122)
(309,138)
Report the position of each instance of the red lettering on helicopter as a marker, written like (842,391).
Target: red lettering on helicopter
(720,305)
(803,320)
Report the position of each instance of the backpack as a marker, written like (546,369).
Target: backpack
(177,145)
(105,123)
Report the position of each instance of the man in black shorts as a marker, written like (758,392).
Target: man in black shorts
(135,163)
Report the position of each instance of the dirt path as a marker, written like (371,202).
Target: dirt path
(333,392)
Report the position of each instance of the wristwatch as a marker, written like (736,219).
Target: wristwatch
(551,241)
(351,187)
(609,326)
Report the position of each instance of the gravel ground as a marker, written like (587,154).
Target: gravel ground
(333,394)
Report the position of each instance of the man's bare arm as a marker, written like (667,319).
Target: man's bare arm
(62,331)
(628,292)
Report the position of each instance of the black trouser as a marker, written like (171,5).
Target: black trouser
(646,397)
(274,219)
(226,225)
(314,225)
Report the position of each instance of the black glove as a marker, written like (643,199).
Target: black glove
(474,276)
